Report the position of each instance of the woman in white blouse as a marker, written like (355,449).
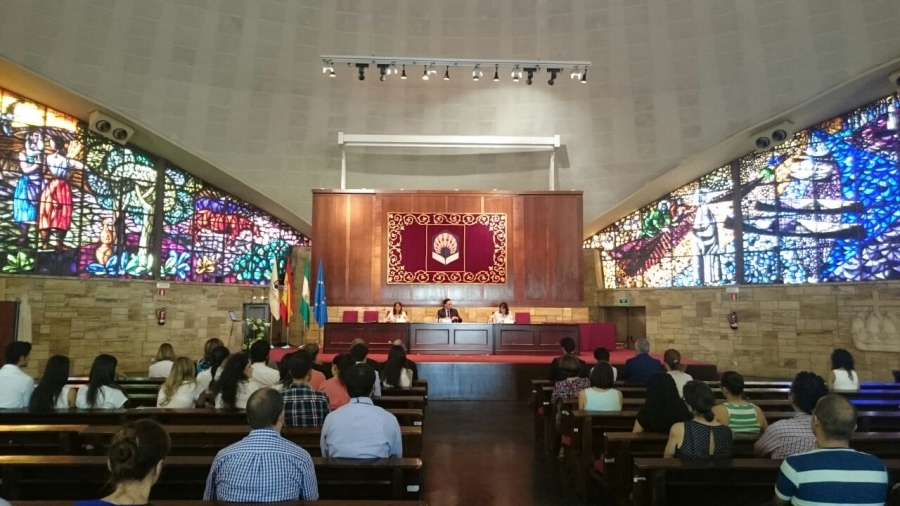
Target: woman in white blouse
(233,388)
(501,315)
(842,377)
(101,391)
(52,392)
(162,364)
(395,374)
(181,389)
(396,314)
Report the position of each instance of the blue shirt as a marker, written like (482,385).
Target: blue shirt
(262,467)
(361,430)
(832,476)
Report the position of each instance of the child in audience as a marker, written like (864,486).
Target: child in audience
(395,374)
(675,369)
(102,391)
(842,377)
(702,437)
(738,414)
(335,387)
(162,364)
(601,396)
(234,387)
(663,406)
(53,392)
(135,459)
(181,389)
(206,362)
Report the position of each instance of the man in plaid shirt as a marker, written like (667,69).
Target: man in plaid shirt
(303,406)
(794,435)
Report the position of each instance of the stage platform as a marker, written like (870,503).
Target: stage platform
(496,377)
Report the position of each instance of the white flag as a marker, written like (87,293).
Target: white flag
(274,298)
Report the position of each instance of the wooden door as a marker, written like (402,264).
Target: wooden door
(9,319)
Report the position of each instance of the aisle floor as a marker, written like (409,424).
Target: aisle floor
(483,453)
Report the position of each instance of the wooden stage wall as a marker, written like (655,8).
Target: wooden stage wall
(544,246)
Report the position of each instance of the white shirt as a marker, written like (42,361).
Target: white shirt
(377,391)
(392,318)
(16,387)
(498,317)
(681,379)
(405,379)
(160,369)
(845,383)
(263,375)
(107,398)
(205,378)
(185,396)
(244,390)
(62,402)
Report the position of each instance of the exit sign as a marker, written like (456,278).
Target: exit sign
(623,302)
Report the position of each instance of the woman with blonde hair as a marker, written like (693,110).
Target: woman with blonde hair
(162,364)
(181,389)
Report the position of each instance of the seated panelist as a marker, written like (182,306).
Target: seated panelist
(396,314)
(447,314)
(501,315)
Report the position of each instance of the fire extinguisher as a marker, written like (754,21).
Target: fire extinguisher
(161,316)
(733,320)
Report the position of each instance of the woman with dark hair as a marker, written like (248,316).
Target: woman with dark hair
(738,414)
(234,387)
(601,396)
(53,392)
(568,388)
(395,374)
(501,315)
(217,358)
(206,362)
(284,372)
(675,369)
(842,377)
(663,406)
(135,457)
(701,437)
(102,391)
(335,387)
(396,314)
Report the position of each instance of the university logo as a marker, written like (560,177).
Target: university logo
(445,248)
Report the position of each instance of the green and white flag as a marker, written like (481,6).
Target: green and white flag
(304,295)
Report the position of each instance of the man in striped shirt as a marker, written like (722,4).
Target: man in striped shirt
(833,474)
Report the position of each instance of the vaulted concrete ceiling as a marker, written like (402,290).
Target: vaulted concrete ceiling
(239,83)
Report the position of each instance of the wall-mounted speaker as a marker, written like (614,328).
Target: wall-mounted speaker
(772,136)
(109,127)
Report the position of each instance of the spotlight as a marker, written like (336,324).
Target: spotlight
(424,73)
(103,126)
(584,77)
(516,74)
(393,69)
(383,70)
(477,73)
(447,73)
(332,74)
(327,67)
(120,134)
(530,73)
(361,67)
(403,75)
(431,69)
(576,74)
(553,74)
(496,75)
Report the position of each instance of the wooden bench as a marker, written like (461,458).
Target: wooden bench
(61,477)
(212,503)
(40,439)
(737,482)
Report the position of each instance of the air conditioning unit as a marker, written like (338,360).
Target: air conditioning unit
(109,127)
(772,136)
(895,80)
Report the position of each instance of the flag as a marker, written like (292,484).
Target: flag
(274,299)
(320,308)
(304,295)
(287,294)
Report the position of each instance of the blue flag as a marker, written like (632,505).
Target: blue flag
(320,309)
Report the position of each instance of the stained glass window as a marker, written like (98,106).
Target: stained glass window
(74,204)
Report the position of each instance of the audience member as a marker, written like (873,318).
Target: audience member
(217,358)
(601,354)
(832,474)
(639,367)
(101,391)
(206,362)
(284,373)
(601,396)
(842,377)
(317,377)
(181,389)
(162,364)
(263,375)
(702,437)
(572,383)
(675,369)
(16,386)
(303,406)
(409,363)
(789,437)
(135,456)
(335,387)
(374,364)
(359,352)
(663,406)
(264,466)
(396,375)
(568,346)
(361,430)
(233,388)
(738,414)
(52,392)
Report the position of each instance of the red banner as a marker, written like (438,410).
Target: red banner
(446,248)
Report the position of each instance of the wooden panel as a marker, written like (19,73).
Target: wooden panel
(360,247)
(430,337)
(464,204)
(493,295)
(513,337)
(472,337)
(330,226)
(450,338)
(565,263)
(535,229)
(378,336)
(532,339)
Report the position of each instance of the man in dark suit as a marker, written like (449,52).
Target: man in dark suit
(639,367)
(568,346)
(448,312)
(313,350)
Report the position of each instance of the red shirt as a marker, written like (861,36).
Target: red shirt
(316,379)
(336,392)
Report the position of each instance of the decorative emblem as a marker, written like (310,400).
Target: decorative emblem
(445,248)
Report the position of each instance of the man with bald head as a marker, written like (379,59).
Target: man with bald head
(833,473)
